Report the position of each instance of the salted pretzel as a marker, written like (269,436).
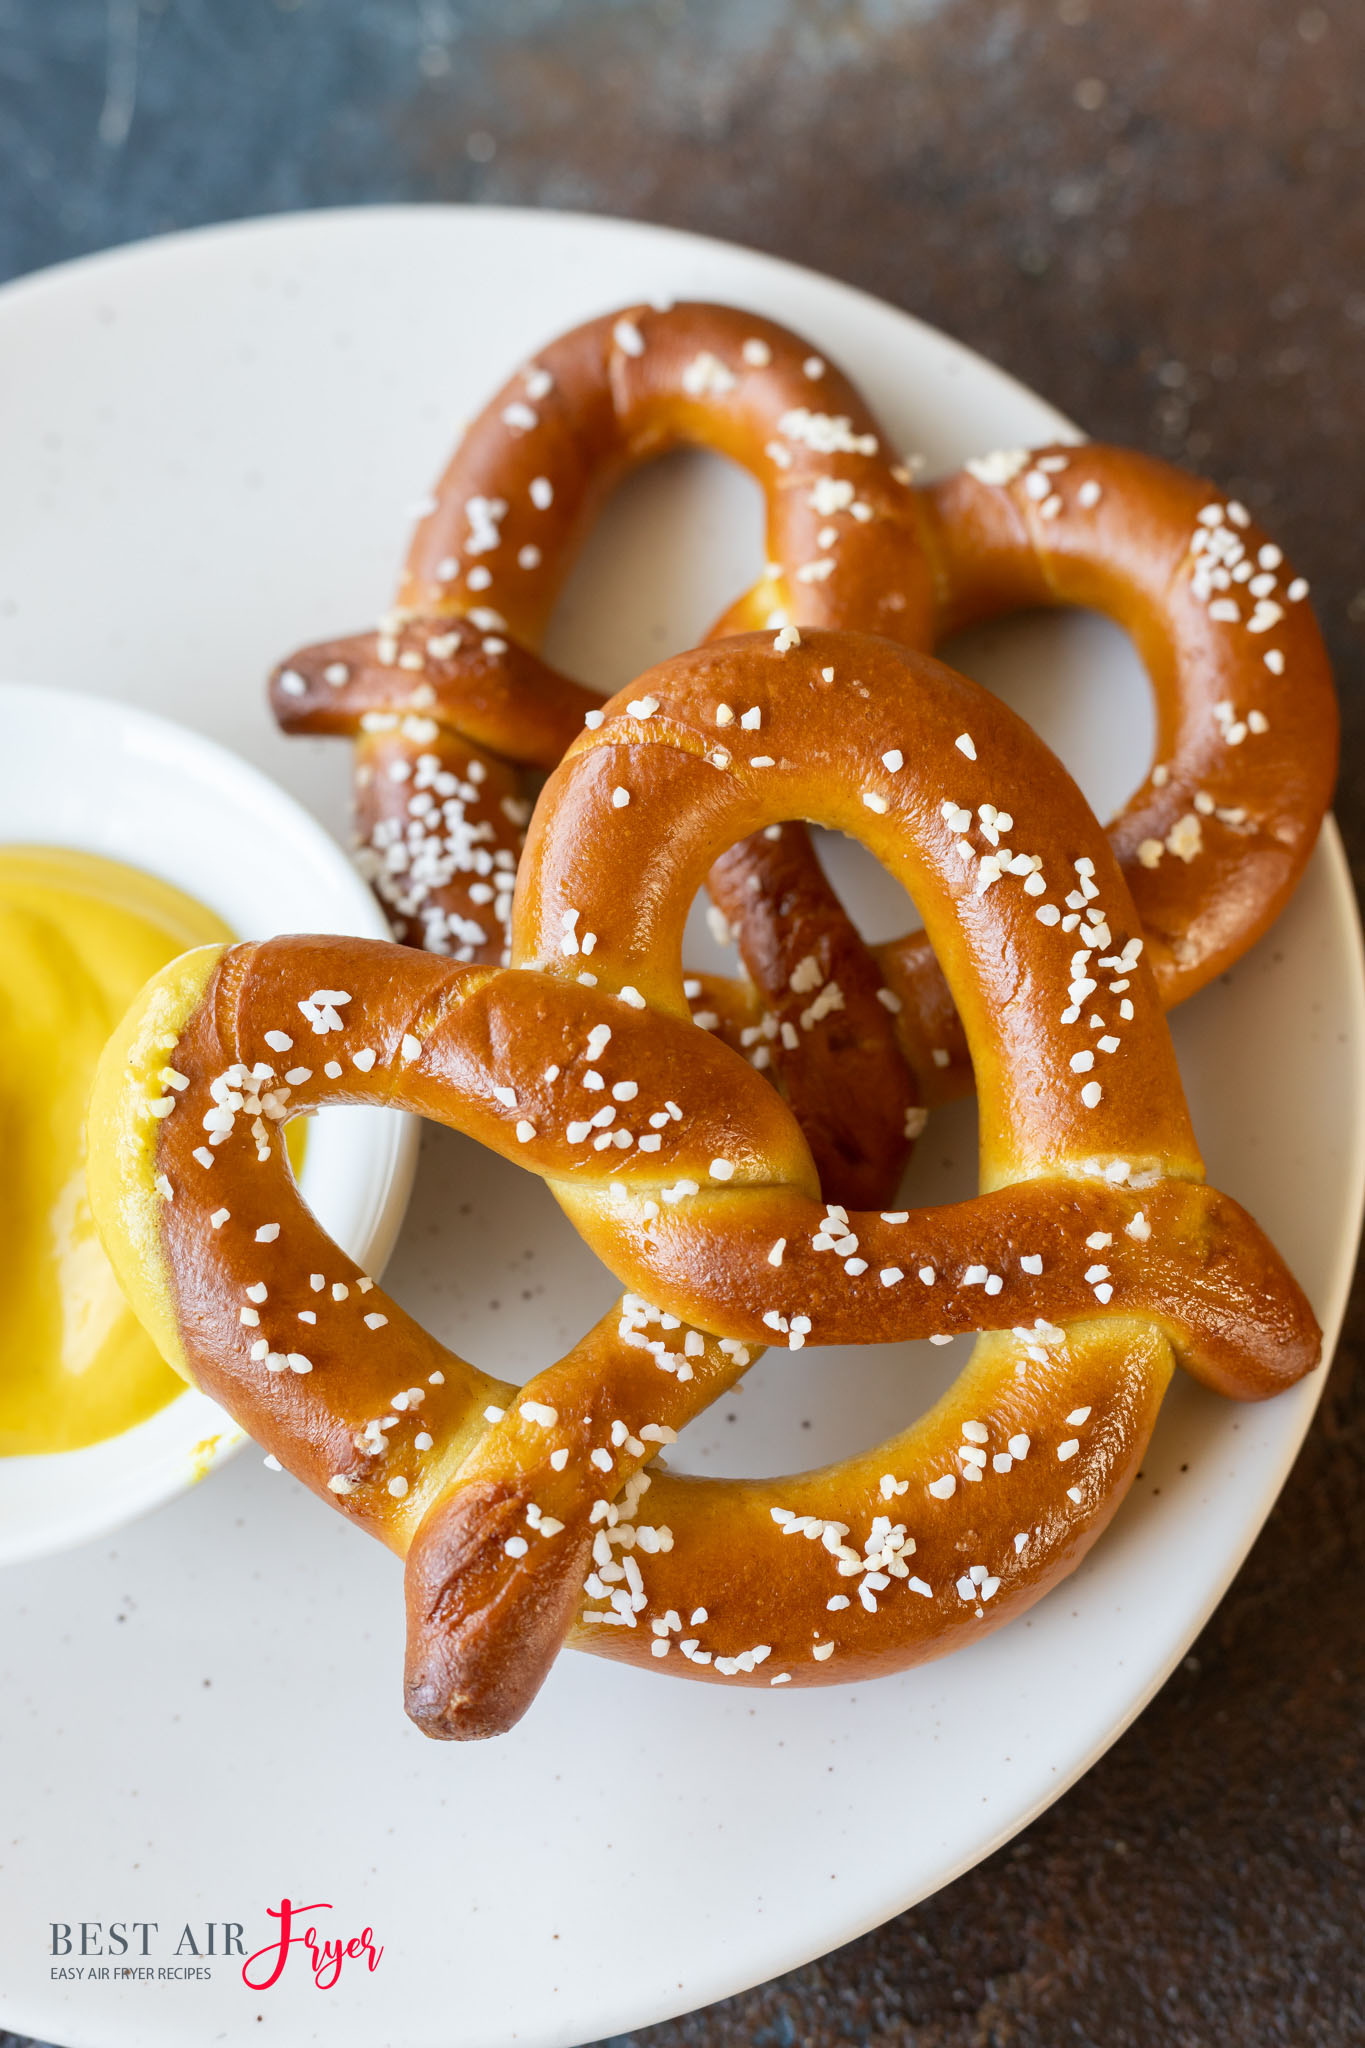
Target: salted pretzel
(449,701)
(1093,1257)
(450,696)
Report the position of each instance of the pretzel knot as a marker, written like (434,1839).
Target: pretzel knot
(1092,1259)
(451,695)
(450,701)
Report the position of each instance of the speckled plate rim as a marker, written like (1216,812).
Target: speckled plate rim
(115,758)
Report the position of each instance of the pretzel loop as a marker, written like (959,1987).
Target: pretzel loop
(1211,844)
(458,657)
(1092,1258)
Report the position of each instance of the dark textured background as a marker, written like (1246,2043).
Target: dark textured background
(1155,214)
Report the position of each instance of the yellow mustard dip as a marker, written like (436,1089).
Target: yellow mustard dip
(79,936)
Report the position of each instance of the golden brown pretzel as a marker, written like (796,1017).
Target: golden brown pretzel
(1215,838)
(1211,844)
(449,700)
(1093,1257)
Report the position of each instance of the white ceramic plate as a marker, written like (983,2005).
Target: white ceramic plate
(107,778)
(223,431)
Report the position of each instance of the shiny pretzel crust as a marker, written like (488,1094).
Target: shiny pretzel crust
(1212,843)
(1094,1256)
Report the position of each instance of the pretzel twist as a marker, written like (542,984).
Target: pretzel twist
(452,691)
(1092,1259)
(450,697)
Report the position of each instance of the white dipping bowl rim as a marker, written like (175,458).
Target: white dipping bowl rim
(106,778)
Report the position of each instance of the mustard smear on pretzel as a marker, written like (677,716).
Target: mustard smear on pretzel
(78,937)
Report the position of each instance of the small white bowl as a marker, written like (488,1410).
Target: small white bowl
(108,779)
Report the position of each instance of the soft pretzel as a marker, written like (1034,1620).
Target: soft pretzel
(1092,1259)
(450,696)
(1214,840)
(449,700)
